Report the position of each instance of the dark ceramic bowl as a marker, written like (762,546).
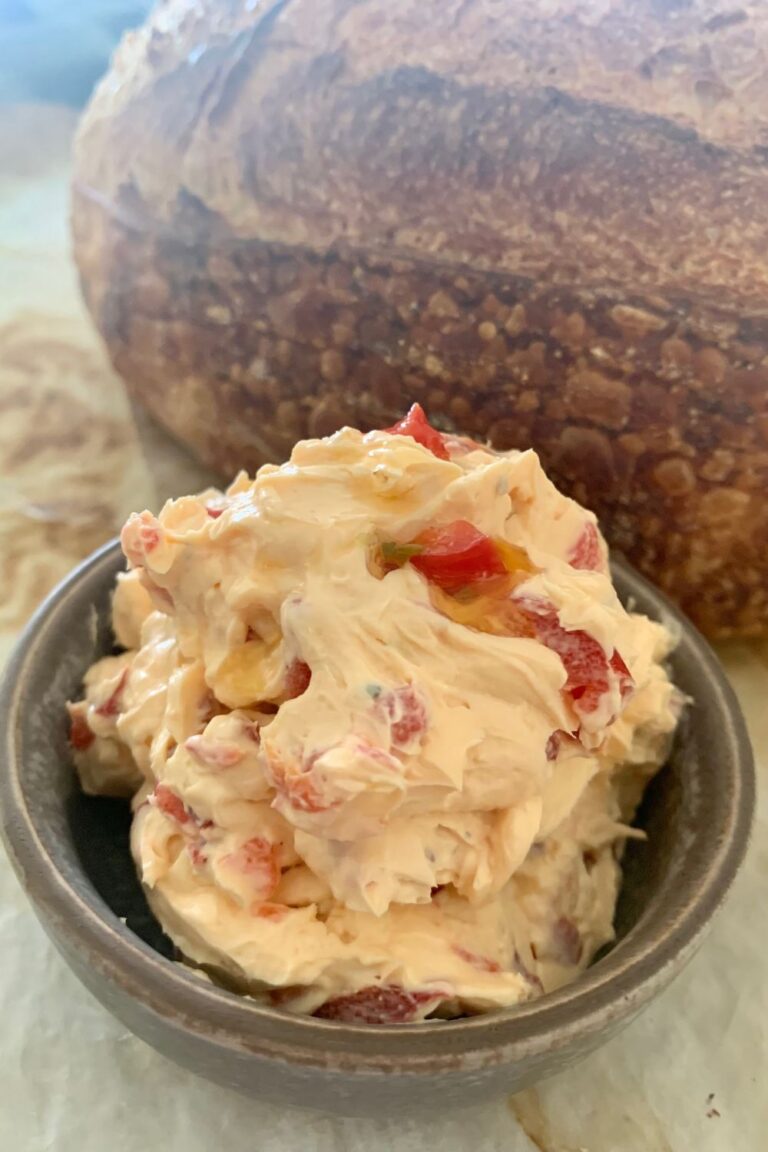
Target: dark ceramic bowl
(71,856)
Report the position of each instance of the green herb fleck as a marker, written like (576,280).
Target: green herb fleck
(396,554)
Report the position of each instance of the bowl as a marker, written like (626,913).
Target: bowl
(71,855)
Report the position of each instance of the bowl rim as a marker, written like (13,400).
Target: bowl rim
(622,982)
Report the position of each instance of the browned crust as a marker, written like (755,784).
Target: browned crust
(653,411)
(547,222)
(467,131)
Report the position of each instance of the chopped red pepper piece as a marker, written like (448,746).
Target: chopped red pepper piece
(586,552)
(457,555)
(80,735)
(553,746)
(388,1004)
(141,534)
(212,753)
(297,678)
(298,787)
(303,795)
(558,740)
(583,658)
(197,853)
(270,911)
(482,963)
(252,729)
(111,706)
(626,683)
(416,425)
(530,977)
(257,858)
(405,709)
(171,804)
(566,944)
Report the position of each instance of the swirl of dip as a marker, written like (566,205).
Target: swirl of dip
(384,721)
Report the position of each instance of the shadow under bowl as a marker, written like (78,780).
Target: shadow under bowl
(71,855)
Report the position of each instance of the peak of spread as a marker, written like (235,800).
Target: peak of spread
(384,720)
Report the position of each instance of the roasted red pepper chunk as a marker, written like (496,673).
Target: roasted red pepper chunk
(171,805)
(111,706)
(530,977)
(252,730)
(212,753)
(258,859)
(626,683)
(416,425)
(482,963)
(298,788)
(141,534)
(406,712)
(80,735)
(270,911)
(303,795)
(388,1004)
(586,553)
(556,742)
(457,555)
(583,658)
(197,853)
(566,945)
(297,678)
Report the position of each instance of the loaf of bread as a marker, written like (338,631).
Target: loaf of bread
(548,223)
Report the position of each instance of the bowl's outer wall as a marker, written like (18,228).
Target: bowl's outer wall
(698,825)
(326,1089)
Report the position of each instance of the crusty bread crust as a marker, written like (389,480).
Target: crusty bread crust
(550,226)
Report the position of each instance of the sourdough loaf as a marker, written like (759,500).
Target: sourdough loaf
(548,223)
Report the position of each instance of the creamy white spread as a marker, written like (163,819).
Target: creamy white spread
(348,789)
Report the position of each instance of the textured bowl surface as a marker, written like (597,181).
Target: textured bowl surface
(71,855)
